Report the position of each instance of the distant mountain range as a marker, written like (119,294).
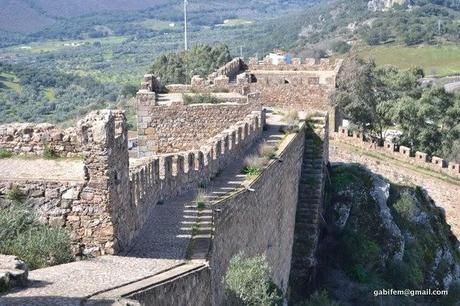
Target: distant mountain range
(28,16)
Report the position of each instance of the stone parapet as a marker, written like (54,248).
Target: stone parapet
(259,220)
(178,127)
(163,176)
(298,64)
(402,152)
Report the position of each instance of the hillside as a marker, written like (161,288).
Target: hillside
(41,14)
(335,24)
(384,235)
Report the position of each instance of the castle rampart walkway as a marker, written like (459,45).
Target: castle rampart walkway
(160,249)
(169,228)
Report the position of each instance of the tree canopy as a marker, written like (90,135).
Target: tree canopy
(200,60)
(378,98)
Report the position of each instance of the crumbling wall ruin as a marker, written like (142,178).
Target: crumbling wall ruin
(90,208)
(31,139)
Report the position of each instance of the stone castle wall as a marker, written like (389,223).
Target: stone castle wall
(90,209)
(400,152)
(164,176)
(298,64)
(192,287)
(31,139)
(229,70)
(178,127)
(259,221)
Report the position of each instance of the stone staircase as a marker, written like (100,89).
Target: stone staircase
(309,217)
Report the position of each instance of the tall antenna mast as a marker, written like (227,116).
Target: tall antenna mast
(185,25)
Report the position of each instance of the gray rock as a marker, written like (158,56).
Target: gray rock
(13,272)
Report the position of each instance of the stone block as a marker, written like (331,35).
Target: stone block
(13,272)
(222,80)
(439,162)
(405,151)
(421,157)
(454,168)
(58,221)
(390,146)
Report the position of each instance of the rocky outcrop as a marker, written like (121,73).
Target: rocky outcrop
(382,5)
(13,272)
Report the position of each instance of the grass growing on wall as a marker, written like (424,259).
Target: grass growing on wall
(37,244)
(200,99)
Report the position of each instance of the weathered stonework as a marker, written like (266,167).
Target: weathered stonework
(31,139)
(163,176)
(188,288)
(178,127)
(95,209)
(259,221)
(403,153)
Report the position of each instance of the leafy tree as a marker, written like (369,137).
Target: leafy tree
(248,282)
(341,47)
(430,123)
(364,97)
(199,60)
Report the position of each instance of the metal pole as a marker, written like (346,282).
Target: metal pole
(185,25)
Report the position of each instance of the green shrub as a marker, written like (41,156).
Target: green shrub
(248,282)
(48,153)
(406,207)
(253,165)
(37,244)
(201,200)
(319,299)
(14,194)
(200,99)
(5,154)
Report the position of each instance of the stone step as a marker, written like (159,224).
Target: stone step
(308,217)
(309,228)
(310,199)
(312,166)
(312,160)
(312,170)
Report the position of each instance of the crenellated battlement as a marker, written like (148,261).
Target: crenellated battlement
(297,64)
(163,176)
(401,152)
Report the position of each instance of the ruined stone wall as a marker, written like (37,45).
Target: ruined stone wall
(293,96)
(31,139)
(259,221)
(402,153)
(229,70)
(164,176)
(179,127)
(95,210)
